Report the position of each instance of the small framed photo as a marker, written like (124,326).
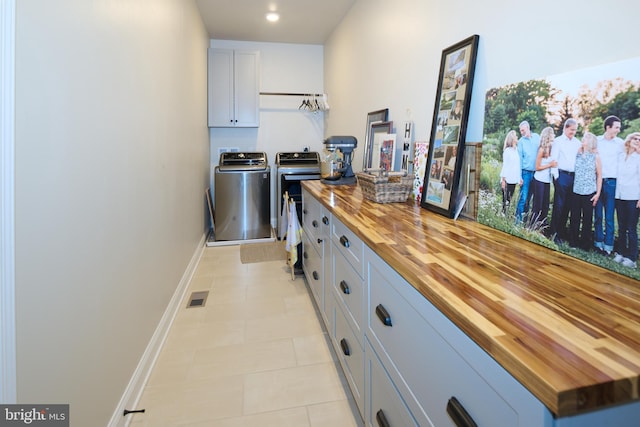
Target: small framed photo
(449,127)
(377,128)
(384,151)
(372,117)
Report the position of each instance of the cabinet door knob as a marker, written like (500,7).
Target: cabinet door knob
(345,288)
(315,275)
(304,211)
(345,347)
(383,315)
(305,255)
(458,414)
(381,419)
(325,220)
(344,241)
(314,223)
(319,240)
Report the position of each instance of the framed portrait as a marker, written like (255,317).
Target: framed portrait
(384,151)
(376,129)
(372,117)
(449,127)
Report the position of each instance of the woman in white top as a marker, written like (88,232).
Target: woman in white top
(587,185)
(542,178)
(511,174)
(628,201)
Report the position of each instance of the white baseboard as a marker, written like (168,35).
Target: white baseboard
(133,392)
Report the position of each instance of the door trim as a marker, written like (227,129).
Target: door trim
(8,389)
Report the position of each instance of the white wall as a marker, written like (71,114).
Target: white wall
(111,167)
(387,54)
(287,68)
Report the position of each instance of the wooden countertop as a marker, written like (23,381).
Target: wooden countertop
(567,330)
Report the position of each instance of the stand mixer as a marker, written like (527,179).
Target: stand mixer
(336,172)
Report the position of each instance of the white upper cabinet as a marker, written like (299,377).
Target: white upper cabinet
(233,88)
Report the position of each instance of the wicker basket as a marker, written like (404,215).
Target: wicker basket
(385,187)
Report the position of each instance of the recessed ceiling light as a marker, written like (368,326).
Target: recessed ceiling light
(272,16)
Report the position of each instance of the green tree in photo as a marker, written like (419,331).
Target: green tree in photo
(625,105)
(507,106)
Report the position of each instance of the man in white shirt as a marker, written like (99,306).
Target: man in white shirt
(528,145)
(564,151)
(609,147)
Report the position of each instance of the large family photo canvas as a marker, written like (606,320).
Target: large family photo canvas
(552,148)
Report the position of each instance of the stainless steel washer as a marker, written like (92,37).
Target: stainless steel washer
(242,197)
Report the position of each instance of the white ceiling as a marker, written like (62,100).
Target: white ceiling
(301,21)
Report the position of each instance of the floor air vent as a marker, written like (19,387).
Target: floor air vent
(198,299)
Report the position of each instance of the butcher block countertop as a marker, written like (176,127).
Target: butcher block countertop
(567,330)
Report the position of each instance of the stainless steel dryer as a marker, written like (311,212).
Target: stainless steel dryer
(291,170)
(242,196)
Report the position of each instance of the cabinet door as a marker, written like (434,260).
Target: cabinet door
(350,354)
(247,88)
(233,88)
(220,88)
(349,291)
(383,404)
(312,264)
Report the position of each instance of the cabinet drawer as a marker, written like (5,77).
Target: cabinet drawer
(348,245)
(351,356)
(383,400)
(315,220)
(426,362)
(313,270)
(349,290)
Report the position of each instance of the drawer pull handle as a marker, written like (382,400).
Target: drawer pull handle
(383,315)
(458,414)
(345,288)
(344,241)
(319,240)
(314,223)
(315,275)
(381,419)
(325,220)
(345,347)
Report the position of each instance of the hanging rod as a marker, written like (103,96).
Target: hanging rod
(291,94)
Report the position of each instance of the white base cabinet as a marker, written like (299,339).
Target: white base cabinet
(316,251)
(405,362)
(313,267)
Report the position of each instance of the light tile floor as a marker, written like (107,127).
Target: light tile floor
(255,355)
